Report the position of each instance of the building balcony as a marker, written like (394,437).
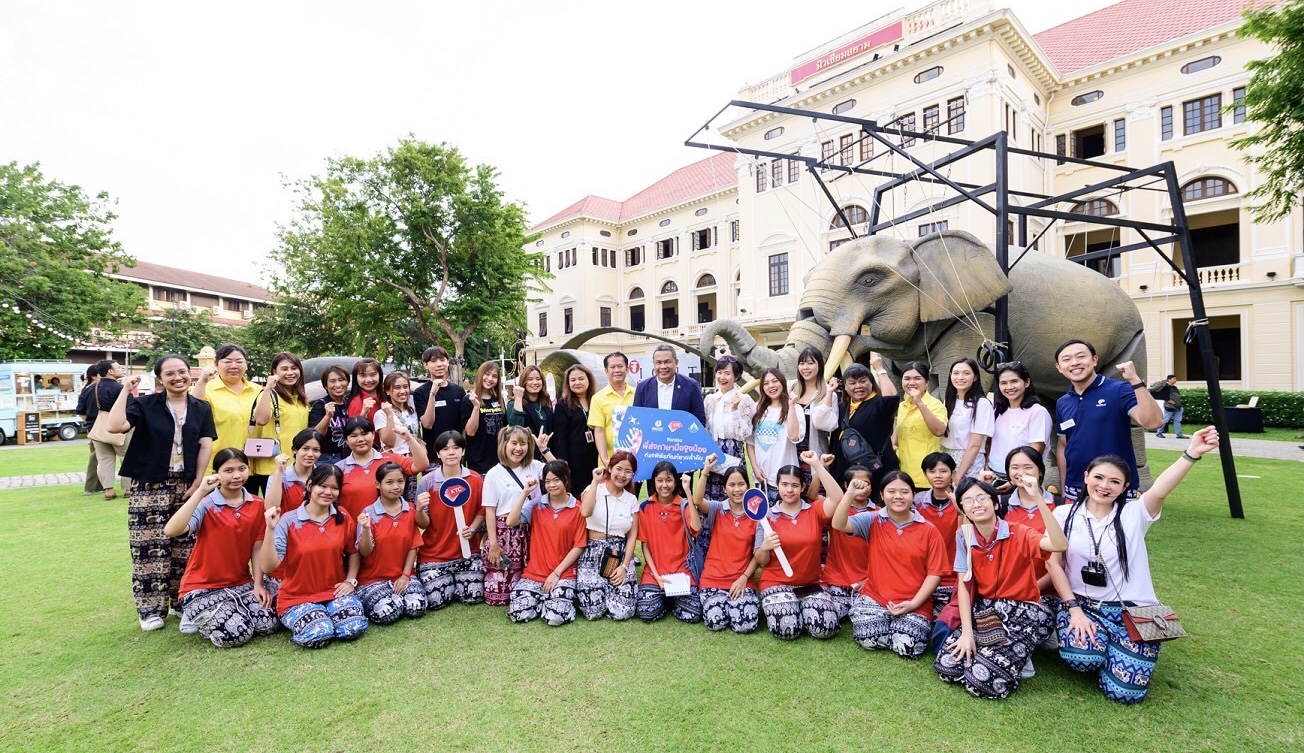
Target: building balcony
(1220,275)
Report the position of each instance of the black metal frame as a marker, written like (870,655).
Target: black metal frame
(1002,209)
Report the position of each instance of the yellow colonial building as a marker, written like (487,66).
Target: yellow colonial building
(1138,83)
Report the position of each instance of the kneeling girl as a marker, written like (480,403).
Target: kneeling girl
(727,593)
(447,575)
(606,569)
(388,539)
(547,587)
(795,604)
(666,522)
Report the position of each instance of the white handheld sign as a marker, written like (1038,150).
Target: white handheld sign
(455,492)
(757,506)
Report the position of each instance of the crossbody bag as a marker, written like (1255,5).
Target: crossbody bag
(260,447)
(100,434)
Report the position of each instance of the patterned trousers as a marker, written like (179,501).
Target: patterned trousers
(515,543)
(157,562)
(385,607)
(1123,666)
(529,602)
(719,611)
(652,601)
(842,598)
(460,579)
(596,595)
(874,627)
(976,467)
(993,672)
(316,625)
(228,617)
(788,615)
(941,597)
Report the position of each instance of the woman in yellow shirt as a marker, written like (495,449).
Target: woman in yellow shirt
(231,396)
(280,413)
(920,423)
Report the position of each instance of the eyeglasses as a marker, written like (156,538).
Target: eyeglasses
(977,498)
(233,362)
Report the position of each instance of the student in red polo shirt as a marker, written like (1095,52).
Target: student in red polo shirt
(1022,507)
(445,574)
(907,560)
(1005,619)
(665,523)
(728,593)
(316,600)
(359,489)
(222,590)
(796,603)
(847,563)
(365,397)
(388,539)
(307,447)
(937,506)
(557,538)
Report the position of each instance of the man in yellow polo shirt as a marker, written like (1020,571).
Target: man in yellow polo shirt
(607,408)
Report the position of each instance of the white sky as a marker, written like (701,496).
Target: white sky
(189,114)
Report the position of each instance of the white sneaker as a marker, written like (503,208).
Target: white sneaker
(188,626)
(1027,671)
(151,623)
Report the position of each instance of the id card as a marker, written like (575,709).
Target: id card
(1066,425)
(588,436)
(441,403)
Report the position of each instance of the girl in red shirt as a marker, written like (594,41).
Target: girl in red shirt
(316,600)
(665,523)
(1004,620)
(446,575)
(727,592)
(388,539)
(365,397)
(359,489)
(794,604)
(307,447)
(847,564)
(907,560)
(222,591)
(557,538)
(1022,507)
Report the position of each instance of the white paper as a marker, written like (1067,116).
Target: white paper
(729,462)
(676,584)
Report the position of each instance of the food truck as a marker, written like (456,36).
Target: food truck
(38,400)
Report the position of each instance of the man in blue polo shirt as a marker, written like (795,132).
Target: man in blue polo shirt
(1095,416)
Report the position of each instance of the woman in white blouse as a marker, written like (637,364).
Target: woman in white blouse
(1021,420)
(1107,568)
(729,419)
(972,419)
(606,573)
(818,403)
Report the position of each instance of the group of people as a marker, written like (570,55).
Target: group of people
(923,522)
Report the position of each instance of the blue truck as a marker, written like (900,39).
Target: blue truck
(48,388)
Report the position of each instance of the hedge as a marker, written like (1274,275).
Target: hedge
(1285,409)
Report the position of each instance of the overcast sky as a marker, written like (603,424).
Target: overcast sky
(189,114)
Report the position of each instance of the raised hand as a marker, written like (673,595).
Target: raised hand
(858,486)
(207,373)
(542,439)
(367,403)
(273,380)
(827,459)
(1127,370)
(687,481)
(423,500)
(130,383)
(389,409)
(809,458)
(733,401)
(599,474)
(518,392)
(330,409)
(832,384)
(271,515)
(709,463)
(531,483)
(1204,440)
(875,361)
(209,483)
(474,399)
(364,521)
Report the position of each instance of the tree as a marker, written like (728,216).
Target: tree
(414,237)
(1274,100)
(182,331)
(303,326)
(56,252)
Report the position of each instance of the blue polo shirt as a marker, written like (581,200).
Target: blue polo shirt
(1099,424)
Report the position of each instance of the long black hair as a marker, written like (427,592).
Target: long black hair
(999,399)
(1119,537)
(665,466)
(318,476)
(971,397)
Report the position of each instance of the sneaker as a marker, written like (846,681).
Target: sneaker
(151,623)
(1160,434)
(188,626)
(1181,436)
(1027,671)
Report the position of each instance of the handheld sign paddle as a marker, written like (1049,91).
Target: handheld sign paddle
(757,506)
(455,492)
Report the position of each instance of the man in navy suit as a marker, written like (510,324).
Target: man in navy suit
(670,390)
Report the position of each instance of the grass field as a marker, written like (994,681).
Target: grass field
(51,457)
(1271,433)
(79,675)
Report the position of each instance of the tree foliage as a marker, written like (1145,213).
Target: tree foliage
(1274,100)
(56,251)
(182,331)
(409,247)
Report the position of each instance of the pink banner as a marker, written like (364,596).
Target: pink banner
(883,36)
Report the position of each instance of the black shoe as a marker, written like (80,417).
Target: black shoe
(1160,435)
(1181,436)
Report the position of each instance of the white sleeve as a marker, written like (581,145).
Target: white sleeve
(825,417)
(379,421)
(984,418)
(1039,424)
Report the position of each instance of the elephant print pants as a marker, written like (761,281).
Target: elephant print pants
(1123,666)
(515,543)
(788,615)
(652,601)
(157,562)
(993,671)
(384,607)
(228,617)
(529,602)
(598,596)
(842,598)
(742,614)
(462,580)
(942,597)
(874,627)
(316,625)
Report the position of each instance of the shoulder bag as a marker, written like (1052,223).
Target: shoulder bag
(98,432)
(1151,624)
(257,447)
(988,629)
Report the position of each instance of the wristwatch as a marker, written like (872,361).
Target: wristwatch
(352,582)
(880,372)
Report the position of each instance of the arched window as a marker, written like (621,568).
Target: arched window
(636,293)
(928,75)
(1207,188)
(855,213)
(1087,98)
(706,281)
(1203,64)
(1096,208)
(669,287)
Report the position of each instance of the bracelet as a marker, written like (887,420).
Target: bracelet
(1071,603)
(1138,385)
(1190,457)
(880,372)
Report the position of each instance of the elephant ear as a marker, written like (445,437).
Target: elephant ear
(958,275)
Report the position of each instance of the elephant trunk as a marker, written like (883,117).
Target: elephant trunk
(757,358)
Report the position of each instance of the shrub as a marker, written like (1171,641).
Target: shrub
(1285,409)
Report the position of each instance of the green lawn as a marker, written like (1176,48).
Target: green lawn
(79,675)
(1272,433)
(48,457)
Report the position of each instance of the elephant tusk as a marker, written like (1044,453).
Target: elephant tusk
(846,362)
(839,351)
(753,384)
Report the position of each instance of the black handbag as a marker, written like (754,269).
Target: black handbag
(856,450)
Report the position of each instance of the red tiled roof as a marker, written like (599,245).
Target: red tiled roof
(184,278)
(1132,26)
(704,176)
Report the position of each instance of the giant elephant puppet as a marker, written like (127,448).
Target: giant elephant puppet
(928,300)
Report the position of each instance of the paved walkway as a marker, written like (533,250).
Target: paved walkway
(49,479)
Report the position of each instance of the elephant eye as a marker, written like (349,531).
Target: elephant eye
(869,280)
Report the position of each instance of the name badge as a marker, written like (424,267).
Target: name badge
(1066,425)
(588,436)
(441,403)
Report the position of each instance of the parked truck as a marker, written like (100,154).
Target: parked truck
(46,388)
